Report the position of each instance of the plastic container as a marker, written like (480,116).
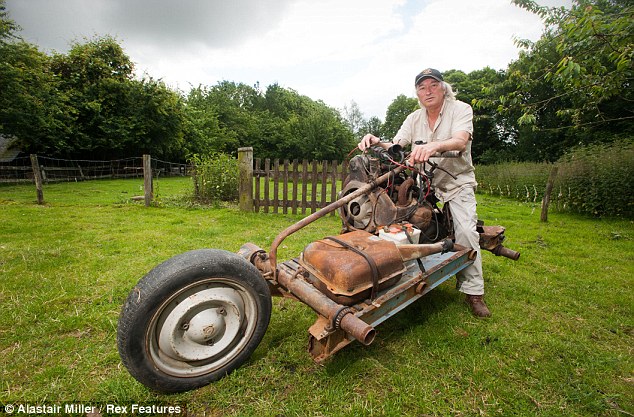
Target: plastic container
(396,234)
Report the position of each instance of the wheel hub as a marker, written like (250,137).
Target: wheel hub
(203,325)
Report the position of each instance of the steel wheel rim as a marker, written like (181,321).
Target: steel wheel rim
(202,327)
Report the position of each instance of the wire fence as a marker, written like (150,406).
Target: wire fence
(21,170)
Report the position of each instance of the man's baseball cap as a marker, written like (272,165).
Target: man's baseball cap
(428,73)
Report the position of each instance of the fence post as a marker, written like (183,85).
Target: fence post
(245,178)
(549,189)
(148,187)
(37,175)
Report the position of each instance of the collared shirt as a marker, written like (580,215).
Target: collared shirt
(455,116)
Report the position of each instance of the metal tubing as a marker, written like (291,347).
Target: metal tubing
(412,251)
(324,306)
(506,252)
(324,211)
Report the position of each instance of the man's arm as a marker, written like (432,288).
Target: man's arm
(422,153)
(369,140)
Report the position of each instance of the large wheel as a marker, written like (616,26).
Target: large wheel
(192,320)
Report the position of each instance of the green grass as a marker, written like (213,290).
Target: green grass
(559,342)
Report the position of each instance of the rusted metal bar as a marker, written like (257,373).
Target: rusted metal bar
(323,212)
(292,280)
(324,342)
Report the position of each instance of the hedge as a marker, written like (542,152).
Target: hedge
(595,179)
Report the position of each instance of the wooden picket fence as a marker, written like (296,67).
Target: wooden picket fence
(288,186)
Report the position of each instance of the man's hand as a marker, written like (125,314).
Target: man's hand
(367,141)
(422,153)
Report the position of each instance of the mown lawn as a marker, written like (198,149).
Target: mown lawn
(560,342)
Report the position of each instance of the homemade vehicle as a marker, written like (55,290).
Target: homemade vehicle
(199,315)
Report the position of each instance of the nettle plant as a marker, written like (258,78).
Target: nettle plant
(215,177)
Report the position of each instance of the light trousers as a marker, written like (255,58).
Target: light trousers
(465,218)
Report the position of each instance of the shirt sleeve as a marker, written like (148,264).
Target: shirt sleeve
(463,119)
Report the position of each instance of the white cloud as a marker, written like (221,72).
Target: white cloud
(334,50)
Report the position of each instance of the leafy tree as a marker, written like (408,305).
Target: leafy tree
(373,125)
(114,115)
(396,113)
(353,118)
(573,86)
(490,136)
(31,108)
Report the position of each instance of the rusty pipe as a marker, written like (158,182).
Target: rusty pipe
(324,211)
(326,307)
(403,190)
(309,295)
(500,250)
(413,251)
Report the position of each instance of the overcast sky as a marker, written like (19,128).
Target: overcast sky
(337,51)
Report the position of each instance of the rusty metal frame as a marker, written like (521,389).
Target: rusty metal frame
(326,340)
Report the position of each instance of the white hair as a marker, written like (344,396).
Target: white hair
(449,94)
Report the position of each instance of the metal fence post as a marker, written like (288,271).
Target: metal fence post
(245,178)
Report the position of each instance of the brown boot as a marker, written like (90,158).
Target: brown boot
(478,308)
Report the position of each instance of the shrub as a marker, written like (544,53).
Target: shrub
(215,178)
(597,179)
(594,179)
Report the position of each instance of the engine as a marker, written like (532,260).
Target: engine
(406,198)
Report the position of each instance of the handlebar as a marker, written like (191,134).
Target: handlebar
(448,154)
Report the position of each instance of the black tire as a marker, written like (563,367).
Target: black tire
(192,320)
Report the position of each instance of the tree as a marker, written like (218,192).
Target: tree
(373,125)
(396,113)
(353,118)
(491,137)
(572,86)
(32,110)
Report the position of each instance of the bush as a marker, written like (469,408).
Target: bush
(215,178)
(594,179)
(597,179)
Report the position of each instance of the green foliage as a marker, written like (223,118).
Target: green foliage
(215,178)
(593,179)
(396,113)
(491,131)
(597,179)
(572,86)
(277,123)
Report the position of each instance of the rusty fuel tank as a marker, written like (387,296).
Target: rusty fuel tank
(354,266)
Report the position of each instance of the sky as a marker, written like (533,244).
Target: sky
(337,51)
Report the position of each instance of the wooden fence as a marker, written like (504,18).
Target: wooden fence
(288,186)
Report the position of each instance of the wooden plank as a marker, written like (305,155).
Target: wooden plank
(37,176)
(267,177)
(324,183)
(276,185)
(148,186)
(295,185)
(285,202)
(256,178)
(313,201)
(245,179)
(304,185)
(333,188)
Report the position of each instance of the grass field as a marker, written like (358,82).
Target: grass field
(560,342)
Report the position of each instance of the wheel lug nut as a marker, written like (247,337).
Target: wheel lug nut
(185,326)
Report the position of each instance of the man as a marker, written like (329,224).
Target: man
(446,124)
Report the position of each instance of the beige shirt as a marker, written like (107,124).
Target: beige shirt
(455,116)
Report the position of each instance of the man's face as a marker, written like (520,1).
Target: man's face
(430,93)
